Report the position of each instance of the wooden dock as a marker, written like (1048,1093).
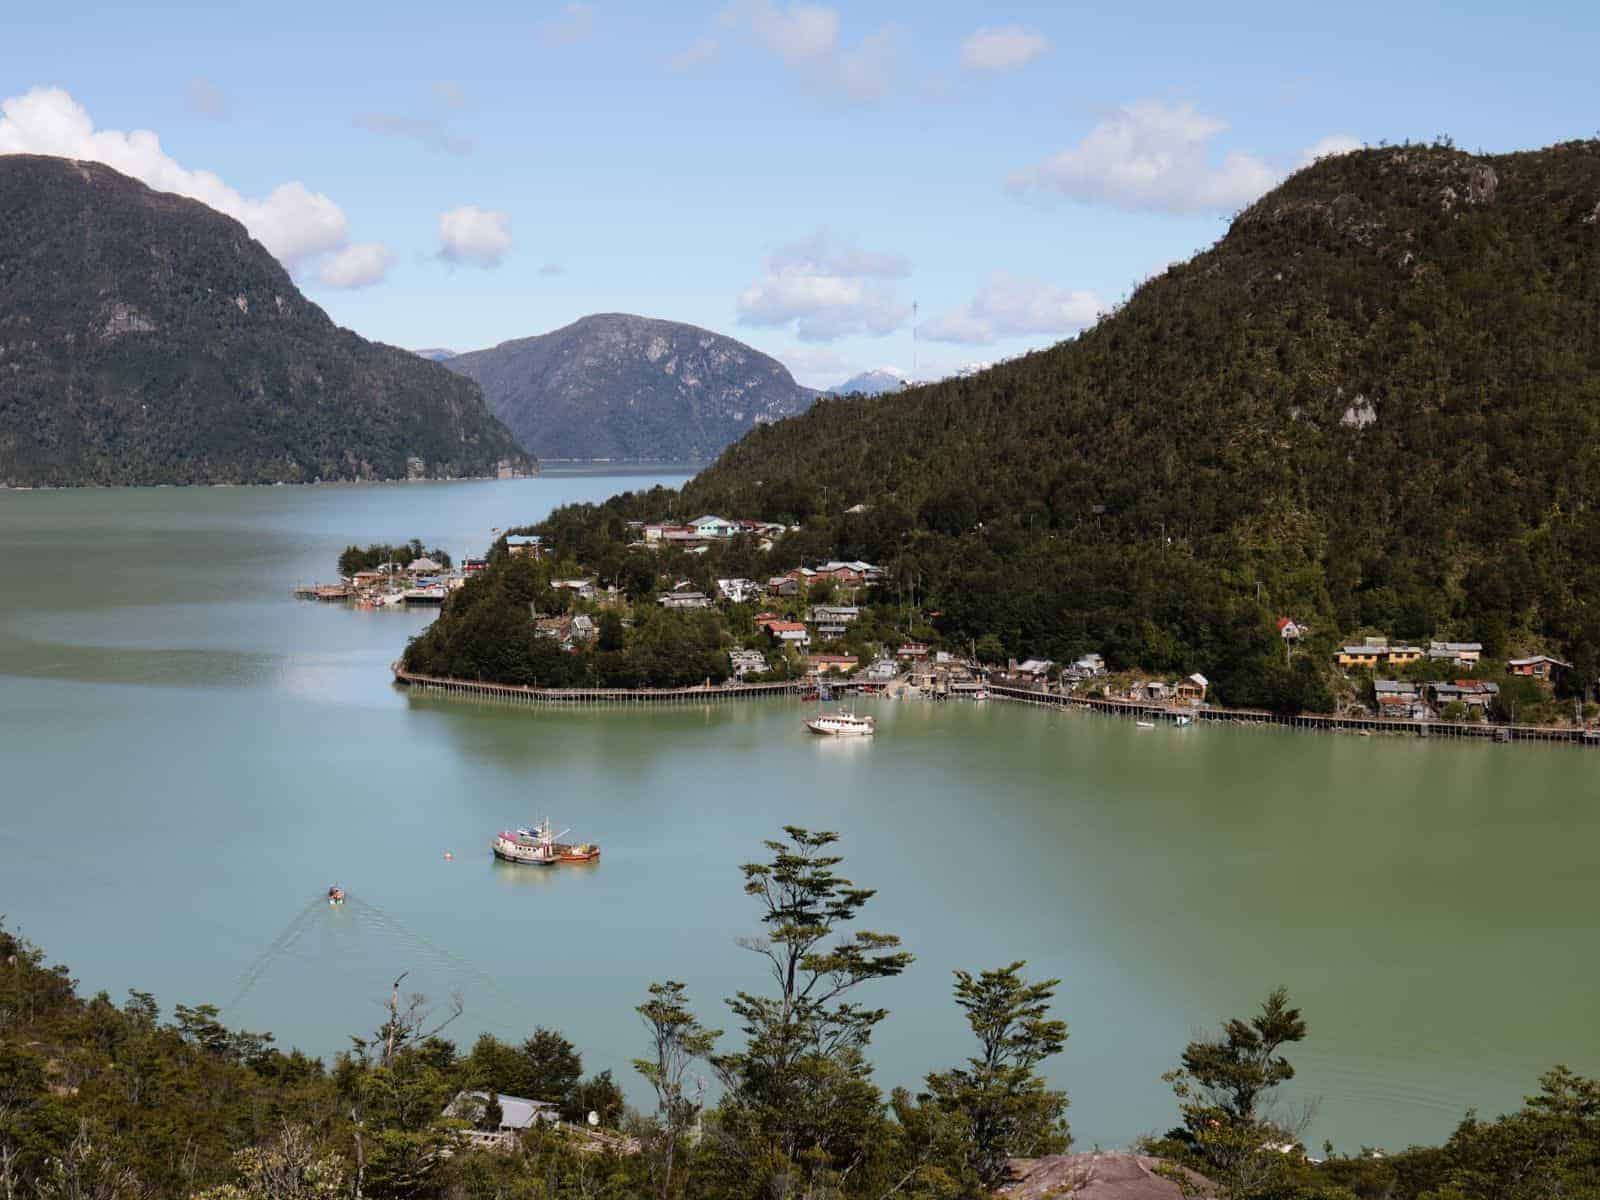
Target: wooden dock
(606,697)
(1314,722)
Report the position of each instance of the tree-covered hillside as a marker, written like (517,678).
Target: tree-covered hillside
(1372,406)
(145,338)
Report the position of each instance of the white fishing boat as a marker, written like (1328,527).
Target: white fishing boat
(841,724)
(1145,724)
(533,847)
(539,846)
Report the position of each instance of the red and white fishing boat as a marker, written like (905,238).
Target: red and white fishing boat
(539,847)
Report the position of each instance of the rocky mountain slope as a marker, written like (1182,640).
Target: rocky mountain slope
(626,387)
(146,338)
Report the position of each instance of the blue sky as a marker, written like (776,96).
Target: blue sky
(795,175)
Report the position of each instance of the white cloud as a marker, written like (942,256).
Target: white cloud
(828,288)
(1009,306)
(357,266)
(1332,145)
(699,52)
(293,222)
(575,23)
(206,98)
(1002,48)
(1152,156)
(817,366)
(806,37)
(470,234)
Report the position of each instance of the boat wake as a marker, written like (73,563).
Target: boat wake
(349,918)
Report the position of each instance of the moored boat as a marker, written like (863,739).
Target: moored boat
(842,724)
(336,894)
(538,847)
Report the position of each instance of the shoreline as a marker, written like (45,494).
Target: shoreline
(1304,722)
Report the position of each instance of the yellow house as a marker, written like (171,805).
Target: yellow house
(1359,656)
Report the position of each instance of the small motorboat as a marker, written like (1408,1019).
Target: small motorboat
(579,852)
(842,724)
(1145,724)
(336,895)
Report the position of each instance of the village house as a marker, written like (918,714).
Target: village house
(684,600)
(832,664)
(784,585)
(523,547)
(471,566)
(748,662)
(1463,654)
(424,566)
(1290,630)
(1152,691)
(1087,667)
(1193,689)
(1476,694)
(1031,672)
(739,591)
(584,589)
(517,1116)
(1537,666)
(912,650)
(1374,651)
(788,633)
(713,527)
(832,620)
(882,671)
(1400,698)
(367,578)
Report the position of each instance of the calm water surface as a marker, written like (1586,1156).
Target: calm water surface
(188,757)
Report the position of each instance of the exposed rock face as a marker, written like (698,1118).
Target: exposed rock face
(620,386)
(1102,1175)
(146,338)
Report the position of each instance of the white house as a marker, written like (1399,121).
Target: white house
(517,1115)
(713,527)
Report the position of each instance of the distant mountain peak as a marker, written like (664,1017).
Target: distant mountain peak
(876,382)
(621,386)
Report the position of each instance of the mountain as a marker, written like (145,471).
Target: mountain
(619,386)
(435,354)
(870,383)
(1373,406)
(146,338)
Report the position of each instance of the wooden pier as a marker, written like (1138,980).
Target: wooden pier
(606,697)
(1315,722)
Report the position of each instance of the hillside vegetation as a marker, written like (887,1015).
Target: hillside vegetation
(101,1100)
(1372,406)
(146,338)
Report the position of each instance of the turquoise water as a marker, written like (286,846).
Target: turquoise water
(190,757)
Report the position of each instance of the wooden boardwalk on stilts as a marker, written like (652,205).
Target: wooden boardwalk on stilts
(1314,722)
(607,697)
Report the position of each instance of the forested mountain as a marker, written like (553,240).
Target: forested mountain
(1373,405)
(146,338)
(619,386)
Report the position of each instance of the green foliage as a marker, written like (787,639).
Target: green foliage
(1008,1110)
(376,555)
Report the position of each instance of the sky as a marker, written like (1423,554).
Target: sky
(912,186)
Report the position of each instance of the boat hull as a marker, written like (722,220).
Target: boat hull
(825,730)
